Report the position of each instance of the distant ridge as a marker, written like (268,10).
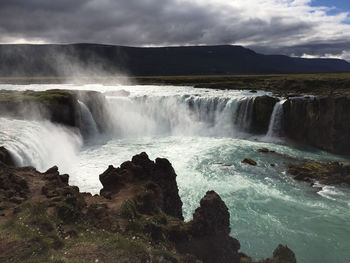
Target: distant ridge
(85,59)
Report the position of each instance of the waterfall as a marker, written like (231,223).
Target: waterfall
(274,130)
(88,125)
(172,115)
(244,113)
(41,144)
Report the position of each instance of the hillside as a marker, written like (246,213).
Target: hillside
(95,59)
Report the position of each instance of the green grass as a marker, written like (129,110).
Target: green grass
(38,238)
(314,84)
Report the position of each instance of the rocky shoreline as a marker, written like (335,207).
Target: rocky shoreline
(136,218)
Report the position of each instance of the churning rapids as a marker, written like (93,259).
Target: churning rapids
(203,134)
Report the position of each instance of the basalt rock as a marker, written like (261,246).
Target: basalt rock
(320,122)
(59,106)
(141,170)
(249,161)
(262,110)
(142,216)
(5,157)
(282,254)
(210,228)
(325,173)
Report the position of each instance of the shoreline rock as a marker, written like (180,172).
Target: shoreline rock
(320,122)
(135,221)
(326,173)
(6,157)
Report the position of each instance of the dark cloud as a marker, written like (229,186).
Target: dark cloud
(270,26)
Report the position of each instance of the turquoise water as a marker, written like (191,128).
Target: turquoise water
(206,148)
(267,207)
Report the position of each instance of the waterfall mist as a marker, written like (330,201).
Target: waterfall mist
(40,144)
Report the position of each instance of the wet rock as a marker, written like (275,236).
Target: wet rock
(212,217)
(141,170)
(249,161)
(263,150)
(262,110)
(326,173)
(284,254)
(210,228)
(5,157)
(320,122)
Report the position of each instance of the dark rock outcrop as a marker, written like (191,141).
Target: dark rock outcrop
(142,204)
(58,106)
(249,161)
(145,171)
(210,228)
(5,157)
(325,173)
(262,110)
(55,105)
(320,122)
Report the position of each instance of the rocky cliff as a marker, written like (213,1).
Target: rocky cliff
(58,106)
(137,218)
(320,122)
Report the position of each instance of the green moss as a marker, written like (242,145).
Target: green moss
(162,255)
(128,210)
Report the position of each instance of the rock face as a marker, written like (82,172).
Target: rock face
(262,110)
(320,122)
(5,157)
(249,161)
(325,173)
(142,169)
(210,228)
(55,105)
(59,106)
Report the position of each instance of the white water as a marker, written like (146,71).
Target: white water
(88,124)
(41,144)
(274,130)
(197,130)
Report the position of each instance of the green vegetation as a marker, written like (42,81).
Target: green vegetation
(325,173)
(34,235)
(43,97)
(313,84)
(323,84)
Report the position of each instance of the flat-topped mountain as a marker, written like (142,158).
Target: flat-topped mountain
(87,59)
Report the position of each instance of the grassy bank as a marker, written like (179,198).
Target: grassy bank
(282,84)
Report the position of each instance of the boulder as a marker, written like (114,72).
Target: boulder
(249,161)
(284,255)
(210,228)
(141,171)
(212,217)
(5,157)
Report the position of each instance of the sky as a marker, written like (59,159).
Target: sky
(304,28)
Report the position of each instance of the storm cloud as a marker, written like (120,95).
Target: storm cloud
(269,26)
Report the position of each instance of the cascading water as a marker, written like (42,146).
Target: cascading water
(243,115)
(88,125)
(172,115)
(275,128)
(196,129)
(40,144)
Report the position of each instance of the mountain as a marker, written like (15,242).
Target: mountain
(87,59)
